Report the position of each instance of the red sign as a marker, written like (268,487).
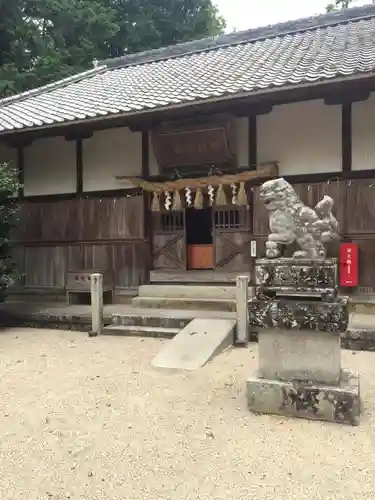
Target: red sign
(348,264)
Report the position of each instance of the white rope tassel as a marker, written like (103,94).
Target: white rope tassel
(188,197)
(168,200)
(234,194)
(211,194)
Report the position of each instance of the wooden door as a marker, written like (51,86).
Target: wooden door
(232,237)
(168,240)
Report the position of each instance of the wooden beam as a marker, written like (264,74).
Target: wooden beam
(311,178)
(252,142)
(144,126)
(79,166)
(113,193)
(269,170)
(20,168)
(251,109)
(75,136)
(347,97)
(15,143)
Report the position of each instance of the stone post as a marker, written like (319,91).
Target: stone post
(242,312)
(96,304)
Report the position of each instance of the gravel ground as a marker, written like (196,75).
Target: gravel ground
(90,419)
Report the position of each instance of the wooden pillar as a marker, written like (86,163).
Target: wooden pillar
(147,216)
(79,166)
(253,160)
(346,140)
(252,141)
(20,168)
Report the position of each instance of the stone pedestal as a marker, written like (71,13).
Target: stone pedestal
(340,404)
(299,318)
(291,354)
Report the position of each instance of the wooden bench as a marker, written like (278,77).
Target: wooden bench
(78,283)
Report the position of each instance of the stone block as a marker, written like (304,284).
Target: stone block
(297,273)
(340,404)
(301,355)
(301,314)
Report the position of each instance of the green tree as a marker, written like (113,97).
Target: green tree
(338,5)
(148,24)
(9,218)
(45,40)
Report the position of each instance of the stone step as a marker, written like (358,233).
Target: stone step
(358,321)
(208,277)
(225,305)
(141,331)
(362,304)
(153,318)
(190,291)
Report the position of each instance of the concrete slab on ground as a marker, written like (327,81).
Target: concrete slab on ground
(196,344)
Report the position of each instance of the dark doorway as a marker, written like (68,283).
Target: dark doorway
(199,226)
(199,238)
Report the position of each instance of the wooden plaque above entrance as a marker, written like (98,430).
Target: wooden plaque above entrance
(191,145)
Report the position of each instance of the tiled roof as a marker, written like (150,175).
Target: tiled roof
(310,50)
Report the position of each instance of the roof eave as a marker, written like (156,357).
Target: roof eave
(187,105)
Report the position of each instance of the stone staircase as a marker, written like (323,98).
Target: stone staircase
(160,323)
(187,296)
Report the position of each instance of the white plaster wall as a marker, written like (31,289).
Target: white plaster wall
(111,153)
(8,155)
(363,134)
(304,137)
(50,167)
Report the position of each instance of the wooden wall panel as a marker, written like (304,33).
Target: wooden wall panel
(361,206)
(96,256)
(232,250)
(260,214)
(130,264)
(112,218)
(57,236)
(46,266)
(82,220)
(169,251)
(366,263)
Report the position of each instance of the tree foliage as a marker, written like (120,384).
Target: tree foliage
(338,5)
(45,40)
(9,208)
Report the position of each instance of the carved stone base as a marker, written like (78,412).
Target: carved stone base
(300,274)
(302,314)
(340,404)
